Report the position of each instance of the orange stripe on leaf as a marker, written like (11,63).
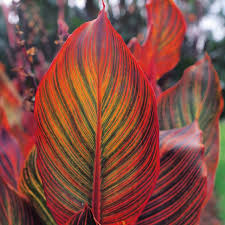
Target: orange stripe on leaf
(160,51)
(97,128)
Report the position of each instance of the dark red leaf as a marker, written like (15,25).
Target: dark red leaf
(15,209)
(181,188)
(197,96)
(11,158)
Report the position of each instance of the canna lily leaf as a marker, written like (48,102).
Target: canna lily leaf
(31,186)
(84,217)
(15,209)
(181,188)
(166,29)
(97,128)
(11,159)
(197,96)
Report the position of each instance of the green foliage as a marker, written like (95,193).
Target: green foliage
(220,175)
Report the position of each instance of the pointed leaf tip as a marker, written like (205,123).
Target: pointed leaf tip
(103,4)
(160,51)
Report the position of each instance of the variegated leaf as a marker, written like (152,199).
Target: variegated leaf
(97,128)
(197,96)
(181,188)
(166,29)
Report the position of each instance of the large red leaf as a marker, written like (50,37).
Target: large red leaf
(197,96)
(181,188)
(97,128)
(161,50)
(15,209)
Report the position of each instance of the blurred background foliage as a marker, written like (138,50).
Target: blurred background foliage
(32,31)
